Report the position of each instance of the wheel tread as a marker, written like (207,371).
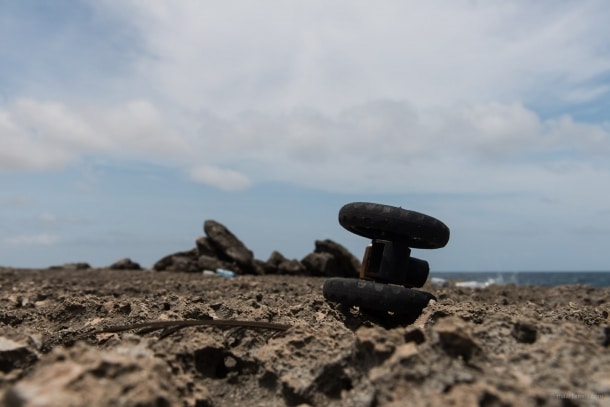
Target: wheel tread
(377,221)
(375,296)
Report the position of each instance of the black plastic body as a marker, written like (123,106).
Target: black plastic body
(390,262)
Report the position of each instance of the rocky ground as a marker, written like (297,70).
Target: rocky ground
(498,346)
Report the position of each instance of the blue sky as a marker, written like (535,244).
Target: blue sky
(125,124)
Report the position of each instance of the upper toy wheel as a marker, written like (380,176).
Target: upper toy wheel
(384,222)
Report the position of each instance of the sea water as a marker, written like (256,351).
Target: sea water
(545,278)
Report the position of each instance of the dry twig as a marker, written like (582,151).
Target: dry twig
(175,325)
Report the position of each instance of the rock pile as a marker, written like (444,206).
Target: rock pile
(221,249)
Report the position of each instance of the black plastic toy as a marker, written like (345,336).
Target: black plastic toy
(388,272)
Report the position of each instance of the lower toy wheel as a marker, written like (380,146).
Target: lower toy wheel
(384,222)
(376,296)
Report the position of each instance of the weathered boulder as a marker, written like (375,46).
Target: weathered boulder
(278,264)
(320,264)
(348,265)
(205,247)
(125,264)
(293,267)
(213,263)
(264,267)
(331,259)
(179,262)
(72,266)
(275,259)
(230,246)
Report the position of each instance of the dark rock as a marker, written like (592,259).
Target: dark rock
(212,263)
(330,259)
(348,265)
(524,332)
(72,266)
(263,268)
(293,267)
(258,267)
(179,262)
(125,264)
(205,247)
(278,264)
(275,259)
(320,264)
(230,246)
(271,265)
(182,264)
(163,263)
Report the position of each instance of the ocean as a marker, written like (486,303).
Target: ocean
(544,278)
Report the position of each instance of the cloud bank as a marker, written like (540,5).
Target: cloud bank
(441,97)
(383,146)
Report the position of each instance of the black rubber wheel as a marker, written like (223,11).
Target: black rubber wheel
(375,296)
(377,221)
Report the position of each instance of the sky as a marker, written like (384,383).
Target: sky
(124,124)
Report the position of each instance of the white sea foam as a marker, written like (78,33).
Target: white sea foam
(543,278)
(498,280)
(475,284)
(441,282)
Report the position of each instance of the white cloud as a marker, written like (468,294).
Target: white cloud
(138,127)
(33,240)
(391,146)
(55,124)
(384,145)
(348,96)
(229,57)
(43,135)
(228,180)
(23,151)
